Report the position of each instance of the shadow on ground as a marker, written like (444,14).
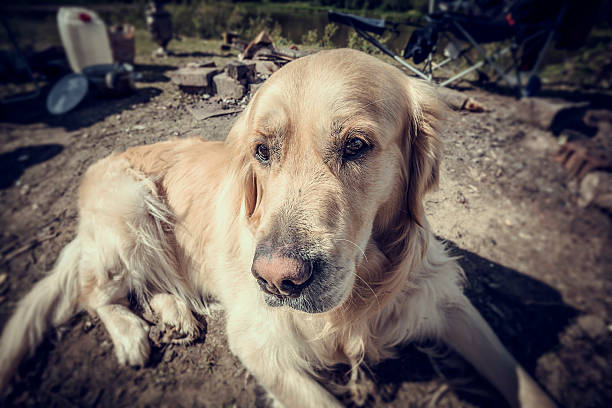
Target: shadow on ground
(88,112)
(526,314)
(199,54)
(153,73)
(13,163)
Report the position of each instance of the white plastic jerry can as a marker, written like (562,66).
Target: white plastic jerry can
(84,36)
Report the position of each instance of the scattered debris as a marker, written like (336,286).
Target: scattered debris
(87,326)
(262,40)
(579,158)
(233,40)
(457,100)
(12,253)
(596,188)
(258,60)
(472,105)
(206,111)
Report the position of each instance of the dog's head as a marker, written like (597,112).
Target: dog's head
(337,151)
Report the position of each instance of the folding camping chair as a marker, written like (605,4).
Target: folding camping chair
(526,37)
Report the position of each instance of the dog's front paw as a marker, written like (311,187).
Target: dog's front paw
(133,349)
(176,322)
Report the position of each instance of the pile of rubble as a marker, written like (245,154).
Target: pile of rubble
(233,81)
(257,61)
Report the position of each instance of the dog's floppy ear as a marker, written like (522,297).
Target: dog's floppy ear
(421,146)
(399,220)
(244,174)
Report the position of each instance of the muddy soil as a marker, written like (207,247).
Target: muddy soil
(539,266)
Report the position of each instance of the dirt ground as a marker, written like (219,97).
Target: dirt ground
(539,265)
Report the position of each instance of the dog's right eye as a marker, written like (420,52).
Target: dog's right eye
(262,153)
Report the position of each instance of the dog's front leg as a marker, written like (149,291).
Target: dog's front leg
(278,367)
(471,336)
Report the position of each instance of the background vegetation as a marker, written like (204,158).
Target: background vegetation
(305,23)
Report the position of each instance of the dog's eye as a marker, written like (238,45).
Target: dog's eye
(354,148)
(262,153)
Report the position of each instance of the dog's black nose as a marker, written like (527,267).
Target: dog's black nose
(282,276)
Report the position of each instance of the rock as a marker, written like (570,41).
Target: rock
(596,188)
(238,70)
(87,326)
(592,325)
(461,198)
(266,68)
(194,79)
(228,87)
(473,105)
(3,278)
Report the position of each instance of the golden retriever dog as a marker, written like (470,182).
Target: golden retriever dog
(306,224)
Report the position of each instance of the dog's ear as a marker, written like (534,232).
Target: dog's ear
(421,147)
(399,221)
(244,174)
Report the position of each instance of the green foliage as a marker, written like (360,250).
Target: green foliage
(385,5)
(358,43)
(328,34)
(311,37)
(277,35)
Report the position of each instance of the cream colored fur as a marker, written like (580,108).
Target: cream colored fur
(179,221)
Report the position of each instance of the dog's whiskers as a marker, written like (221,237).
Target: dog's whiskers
(358,247)
(368,286)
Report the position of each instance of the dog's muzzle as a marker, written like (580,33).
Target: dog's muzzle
(280,275)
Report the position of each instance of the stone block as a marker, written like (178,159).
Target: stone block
(200,78)
(240,71)
(266,68)
(228,87)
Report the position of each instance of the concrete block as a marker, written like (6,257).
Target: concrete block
(228,87)
(194,78)
(266,67)
(240,71)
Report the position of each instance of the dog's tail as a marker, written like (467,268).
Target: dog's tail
(52,301)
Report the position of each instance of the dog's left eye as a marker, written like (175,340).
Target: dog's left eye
(262,153)
(354,148)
